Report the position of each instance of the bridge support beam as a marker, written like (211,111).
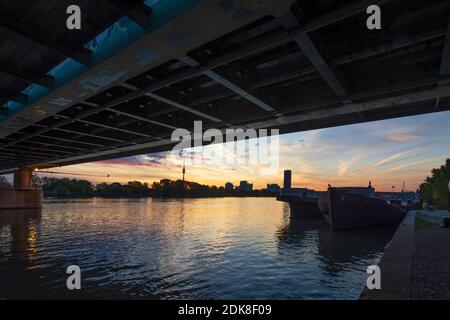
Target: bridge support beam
(22,195)
(22,178)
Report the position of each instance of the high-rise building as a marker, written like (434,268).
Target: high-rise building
(287,179)
(245,186)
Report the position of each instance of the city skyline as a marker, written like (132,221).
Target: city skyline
(385,152)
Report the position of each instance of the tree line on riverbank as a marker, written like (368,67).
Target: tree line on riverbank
(435,189)
(179,188)
(77,188)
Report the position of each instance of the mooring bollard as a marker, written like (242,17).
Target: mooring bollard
(448,198)
(446,222)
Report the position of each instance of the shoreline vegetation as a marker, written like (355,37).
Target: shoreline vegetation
(435,189)
(75,188)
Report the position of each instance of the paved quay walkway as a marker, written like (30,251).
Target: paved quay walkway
(431,259)
(416,263)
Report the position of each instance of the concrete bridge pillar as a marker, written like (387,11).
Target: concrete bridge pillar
(22,195)
(22,178)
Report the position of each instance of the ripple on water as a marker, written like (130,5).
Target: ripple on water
(225,248)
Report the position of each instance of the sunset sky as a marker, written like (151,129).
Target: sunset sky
(385,152)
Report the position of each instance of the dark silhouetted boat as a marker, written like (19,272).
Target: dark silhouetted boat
(303,202)
(356,207)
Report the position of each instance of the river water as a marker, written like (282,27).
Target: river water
(217,248)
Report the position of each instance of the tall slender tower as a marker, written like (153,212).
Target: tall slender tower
(183,171)
(287,179)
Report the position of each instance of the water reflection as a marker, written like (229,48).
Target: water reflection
(336,249)
(227,248)
(23,231)
(19,236)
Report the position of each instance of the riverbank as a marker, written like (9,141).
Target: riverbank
(168,197)
(416,261)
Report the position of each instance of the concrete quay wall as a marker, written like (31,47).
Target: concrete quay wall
(20,198)
(396,264)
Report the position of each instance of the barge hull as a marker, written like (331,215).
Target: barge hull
(346,211)
(302,207)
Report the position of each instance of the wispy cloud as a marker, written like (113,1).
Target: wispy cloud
(402,137)
(344,166)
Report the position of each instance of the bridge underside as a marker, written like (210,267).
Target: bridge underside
(279,65)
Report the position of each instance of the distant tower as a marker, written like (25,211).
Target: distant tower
(287,179)
(184,167)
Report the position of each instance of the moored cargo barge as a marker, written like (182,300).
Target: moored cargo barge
(357,207)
